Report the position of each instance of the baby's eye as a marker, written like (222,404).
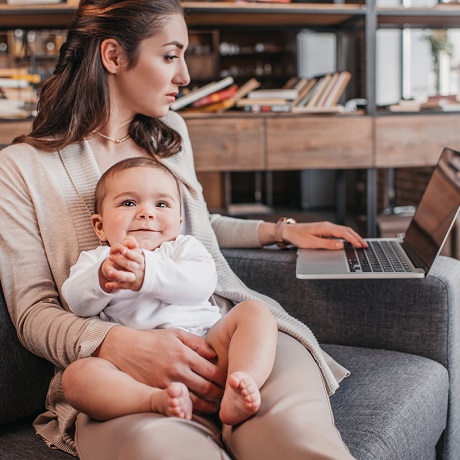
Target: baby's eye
(162,204)
(128,203)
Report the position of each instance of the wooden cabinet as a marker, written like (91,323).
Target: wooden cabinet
(232,144)
(414,140)
(319,142)
(287,142)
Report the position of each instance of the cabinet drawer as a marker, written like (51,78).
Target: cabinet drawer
(310,142)
(227,144)
(414,140)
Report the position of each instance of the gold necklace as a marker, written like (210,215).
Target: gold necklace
(116,141)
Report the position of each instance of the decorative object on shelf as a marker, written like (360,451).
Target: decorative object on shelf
(441,51)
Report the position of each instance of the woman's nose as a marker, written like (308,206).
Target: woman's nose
(183,77)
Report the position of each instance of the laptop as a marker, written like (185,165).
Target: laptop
(409,257)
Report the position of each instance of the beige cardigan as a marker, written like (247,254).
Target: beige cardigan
(45,207)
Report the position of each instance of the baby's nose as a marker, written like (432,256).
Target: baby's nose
(146,214)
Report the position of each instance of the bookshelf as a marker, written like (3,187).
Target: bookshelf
(265,142)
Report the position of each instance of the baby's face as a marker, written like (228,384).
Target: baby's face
(144,203)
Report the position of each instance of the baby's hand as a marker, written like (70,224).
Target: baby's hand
(124,268)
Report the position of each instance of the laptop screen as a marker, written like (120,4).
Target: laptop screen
(437,210)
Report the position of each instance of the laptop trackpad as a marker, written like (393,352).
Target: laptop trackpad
(314,262)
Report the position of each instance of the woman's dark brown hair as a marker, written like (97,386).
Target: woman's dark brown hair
(74,101)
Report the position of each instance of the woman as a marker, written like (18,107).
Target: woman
(121,67)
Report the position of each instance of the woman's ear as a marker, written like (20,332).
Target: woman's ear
(96,220)
(110,55)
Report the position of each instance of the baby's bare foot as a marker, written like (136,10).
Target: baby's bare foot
(174,401)
(241,399)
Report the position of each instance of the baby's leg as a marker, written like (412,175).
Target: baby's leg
(99,389)
(245,343)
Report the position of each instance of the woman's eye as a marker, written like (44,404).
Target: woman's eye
(171,57)
(128,203)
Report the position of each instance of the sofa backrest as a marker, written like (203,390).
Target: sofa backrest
(24,377)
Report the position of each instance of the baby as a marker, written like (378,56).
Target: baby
(149,276)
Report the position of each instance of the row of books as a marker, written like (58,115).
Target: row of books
(216,96)
(317,94)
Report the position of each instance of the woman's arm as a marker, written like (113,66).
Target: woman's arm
(26,262)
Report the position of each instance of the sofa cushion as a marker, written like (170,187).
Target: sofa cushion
(393,406)
(18,441)
(23,391)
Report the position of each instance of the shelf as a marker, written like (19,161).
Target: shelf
(441,17)
(221,14)
(37,17)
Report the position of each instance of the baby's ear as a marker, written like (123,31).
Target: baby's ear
(96,220)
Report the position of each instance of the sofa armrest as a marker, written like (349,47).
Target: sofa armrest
(419,316)
(24,377)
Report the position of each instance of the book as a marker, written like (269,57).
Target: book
(306,94)
(327,89)
(438,101)
(245,89)
(275,93)
(218,96)
(405,105)
(198,93)
(338,88)
(231,101)
(269,101)
(318,90)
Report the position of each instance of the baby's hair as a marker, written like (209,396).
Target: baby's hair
(123,165)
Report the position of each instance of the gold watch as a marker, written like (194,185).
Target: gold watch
(279,230)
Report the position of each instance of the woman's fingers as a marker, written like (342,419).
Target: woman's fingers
(325,235)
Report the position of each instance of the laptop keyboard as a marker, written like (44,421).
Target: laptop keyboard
(380,256)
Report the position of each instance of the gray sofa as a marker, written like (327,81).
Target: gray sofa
(400,340)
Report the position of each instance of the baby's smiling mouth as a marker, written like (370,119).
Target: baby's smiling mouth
(148,230)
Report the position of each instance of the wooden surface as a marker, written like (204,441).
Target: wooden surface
(319,142)
(227,144)
(10,129)
(414,140)
(249,142)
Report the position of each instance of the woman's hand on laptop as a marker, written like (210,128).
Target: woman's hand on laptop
(314,235)
(323,235)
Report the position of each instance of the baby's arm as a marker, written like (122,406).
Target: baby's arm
(124,268)
(182,272)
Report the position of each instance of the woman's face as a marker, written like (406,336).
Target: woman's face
(153,83)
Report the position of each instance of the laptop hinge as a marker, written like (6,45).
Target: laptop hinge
(414,257)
